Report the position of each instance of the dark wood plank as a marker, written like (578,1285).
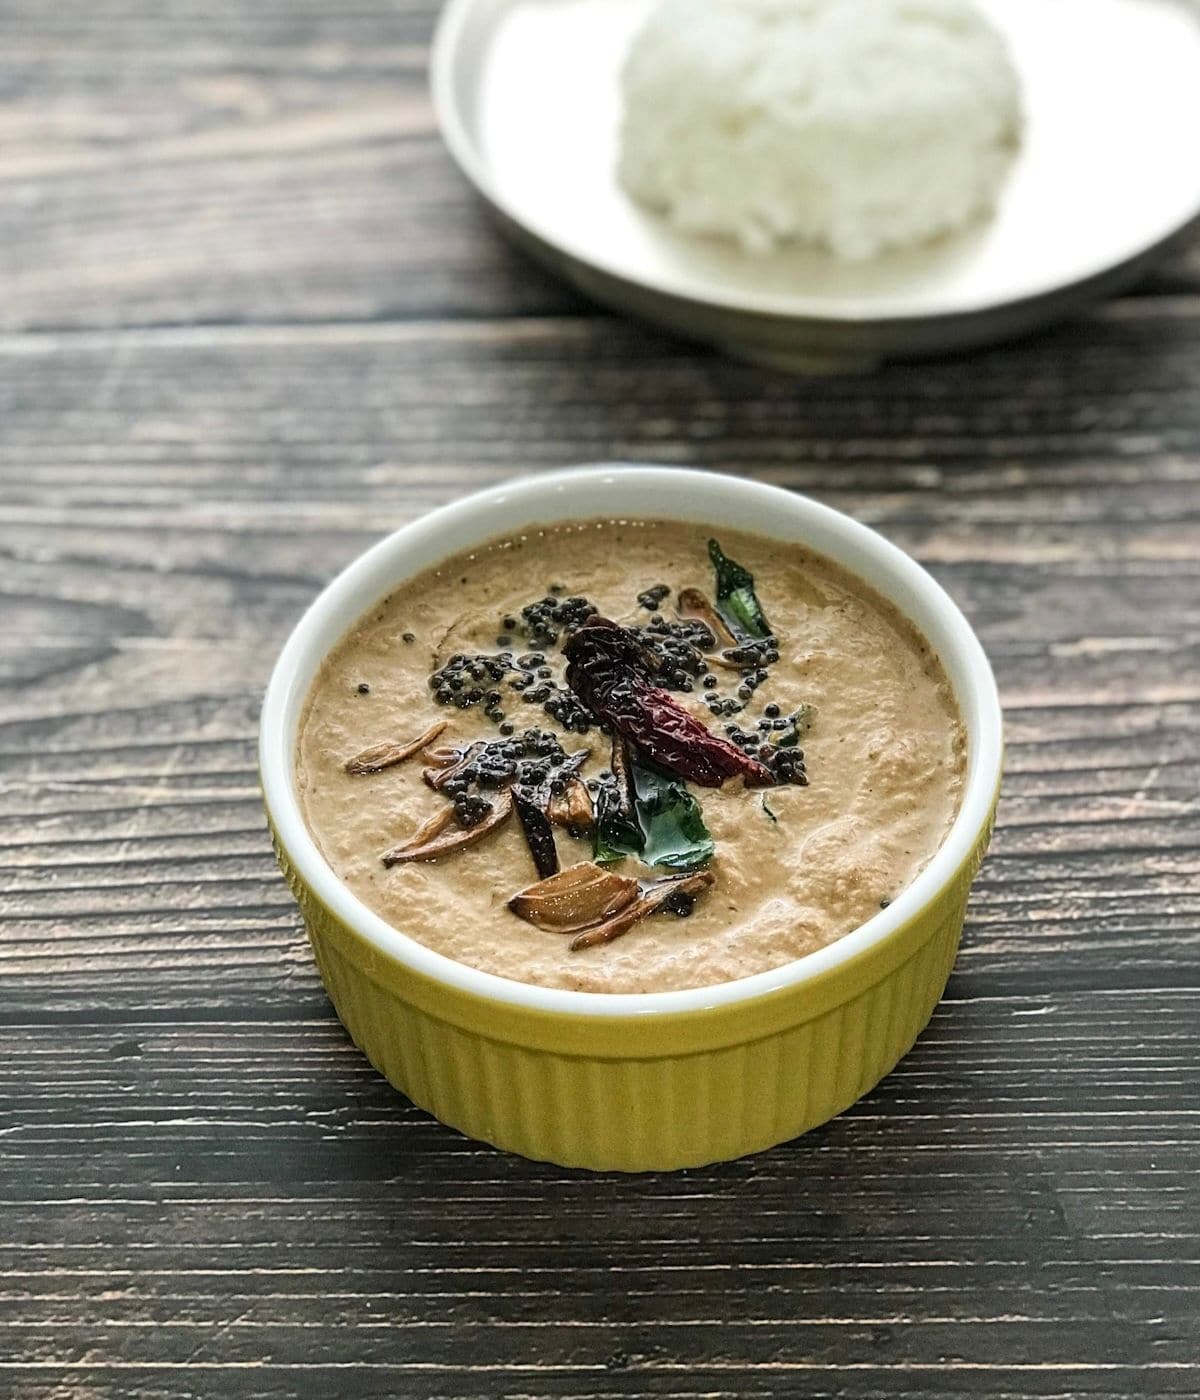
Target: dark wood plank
(210,1192)
(248,1197)
(236,163)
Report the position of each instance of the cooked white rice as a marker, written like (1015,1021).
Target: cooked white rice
(856,124)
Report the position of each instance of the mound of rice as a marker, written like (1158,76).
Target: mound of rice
(857,124)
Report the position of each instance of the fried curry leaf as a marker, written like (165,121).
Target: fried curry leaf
(736,600)
(668,828)
(616,828)
(617,833)
(670,817)
(799,723)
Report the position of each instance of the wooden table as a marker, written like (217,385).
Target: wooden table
(251,319)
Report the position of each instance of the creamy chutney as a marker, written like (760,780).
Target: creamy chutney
(733,754)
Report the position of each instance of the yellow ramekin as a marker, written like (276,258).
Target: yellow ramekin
(647,1081)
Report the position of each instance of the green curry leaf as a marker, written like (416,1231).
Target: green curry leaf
(736,600)
(668,830)
(670,817)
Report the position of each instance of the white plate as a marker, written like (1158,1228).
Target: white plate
(527,94)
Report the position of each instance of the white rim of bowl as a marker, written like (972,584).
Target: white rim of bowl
(608,491)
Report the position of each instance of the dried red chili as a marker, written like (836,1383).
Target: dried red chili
(607,670)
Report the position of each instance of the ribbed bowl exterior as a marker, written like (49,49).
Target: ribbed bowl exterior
(645,1093)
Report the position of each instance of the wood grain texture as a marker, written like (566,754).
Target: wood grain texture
(251,319)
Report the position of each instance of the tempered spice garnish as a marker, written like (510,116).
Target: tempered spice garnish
(783,758)
(651,599)
(539,834)
(488,679)
(662,894)
(736,600)
(436,837)
(619,678)
(676,651)
(597,905)
(617,830)
(649,815)
(575,899)
(693,606)
(572,808)
(533,771)
(381,756)
(606,668)
(545,621)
